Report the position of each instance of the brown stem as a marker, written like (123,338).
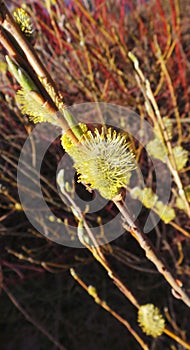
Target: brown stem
(14,51)
(155,115)
(32,64)
(31,320)
(151,253)
(98,253)
(106,307)
(177,339)
(8,22)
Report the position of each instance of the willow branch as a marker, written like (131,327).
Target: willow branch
(151,253)
(92,292)
(97,251)
(30,61)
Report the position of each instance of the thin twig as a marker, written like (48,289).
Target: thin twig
(7,23)
(154,113)
(170,86)
(151,253)
(92,292)
(98,252)
(177,339)
(31,320)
